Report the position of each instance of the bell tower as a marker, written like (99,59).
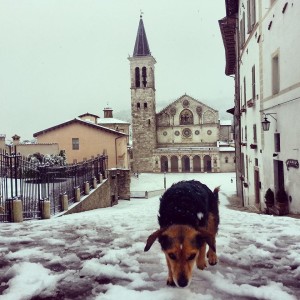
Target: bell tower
(143,105)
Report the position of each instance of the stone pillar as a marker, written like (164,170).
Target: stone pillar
(201,163)
(46,209)
(94,183)
(169,164)
(17,209)
(64,202)
(191,164)
(77,194)
(179,164)
(124,184)
(100,178)
(159,165)
(86,188)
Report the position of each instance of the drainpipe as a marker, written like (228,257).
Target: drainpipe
(116,151)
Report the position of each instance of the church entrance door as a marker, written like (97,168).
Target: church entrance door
(164,164)
(196,163)
(185,164)
(174,164)
(207,163)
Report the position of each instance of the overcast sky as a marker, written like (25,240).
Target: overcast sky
(62,58)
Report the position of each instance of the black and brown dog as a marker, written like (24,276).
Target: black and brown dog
(188,219)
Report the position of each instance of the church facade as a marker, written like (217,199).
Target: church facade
(184,136)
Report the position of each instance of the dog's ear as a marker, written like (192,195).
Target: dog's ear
(207,237)
(151,239)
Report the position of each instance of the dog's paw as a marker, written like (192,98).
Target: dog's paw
(212,258)
(201,264)
(170,282)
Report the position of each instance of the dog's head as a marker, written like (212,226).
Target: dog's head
(181,244)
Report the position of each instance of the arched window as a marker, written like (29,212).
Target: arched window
(196,163)
(144,75)
(174,164)
(164,164)
(186,117)
(207,163)
(226,160)
(138,105)
(185,163)
(137,77)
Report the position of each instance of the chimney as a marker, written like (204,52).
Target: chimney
(108,112)
(16,139)
(2,141)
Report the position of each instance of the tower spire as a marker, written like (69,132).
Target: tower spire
(141,47)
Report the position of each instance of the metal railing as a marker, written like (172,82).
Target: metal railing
(32,183)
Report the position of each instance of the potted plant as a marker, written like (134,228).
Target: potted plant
(282,202)
(269,199)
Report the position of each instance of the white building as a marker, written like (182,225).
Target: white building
(261,40)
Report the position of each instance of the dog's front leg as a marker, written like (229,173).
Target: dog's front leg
(201,262)
(212,255)
(170,280)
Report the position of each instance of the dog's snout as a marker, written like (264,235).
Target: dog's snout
(182,281)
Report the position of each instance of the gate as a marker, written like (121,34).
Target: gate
(34,183)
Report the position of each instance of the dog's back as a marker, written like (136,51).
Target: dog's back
(188,203)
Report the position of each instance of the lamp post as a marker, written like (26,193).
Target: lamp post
(266,123)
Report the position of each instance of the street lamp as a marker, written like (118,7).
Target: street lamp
(266,123)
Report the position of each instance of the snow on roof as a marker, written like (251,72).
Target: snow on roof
(97,126)
(226,149)
(111,121)
(225,122)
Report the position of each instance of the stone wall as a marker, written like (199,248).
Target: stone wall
(107,193)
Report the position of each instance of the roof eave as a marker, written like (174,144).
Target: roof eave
(228,31)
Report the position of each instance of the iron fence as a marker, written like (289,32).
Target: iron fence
(33,183)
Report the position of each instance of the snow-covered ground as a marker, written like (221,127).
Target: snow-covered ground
(99,254)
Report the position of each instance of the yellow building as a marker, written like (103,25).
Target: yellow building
(82,139)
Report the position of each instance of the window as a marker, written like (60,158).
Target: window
(251,14)
(186,117)
(275,75)
(277,142)
(137,77)
(144,75)
(226,160)
(242,30)
(75,143)
(145,105)
(254,134)
(245,94)
(138,105)
(253,84)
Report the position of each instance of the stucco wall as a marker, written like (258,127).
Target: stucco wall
(27,149)
(92,142)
